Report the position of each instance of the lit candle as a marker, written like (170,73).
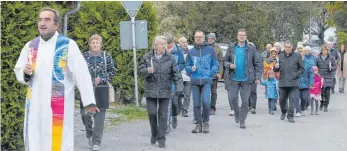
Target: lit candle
(194,61)
(234,59)
(30,60)
(330,65)
(152,64)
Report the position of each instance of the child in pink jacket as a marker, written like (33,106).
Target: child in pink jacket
(315,91)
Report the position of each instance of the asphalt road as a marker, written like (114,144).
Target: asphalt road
(324,132)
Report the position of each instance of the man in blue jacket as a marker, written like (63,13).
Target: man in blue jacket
(202,64)
(174,50)
(243,67)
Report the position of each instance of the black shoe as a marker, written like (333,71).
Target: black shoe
(253,111)
(275,108)
(242,125)
(197,129)
(321,107)
(206,127)
(237,118)
(161,143)
(291,121)
(174,122)
(185,114)
(153,140)
(325,109)
(212,111)
(283,116)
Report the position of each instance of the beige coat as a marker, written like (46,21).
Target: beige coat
(344,72)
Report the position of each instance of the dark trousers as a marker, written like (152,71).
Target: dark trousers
(230,101)
(325,96)
(158,116)
(334,83)
(174,105)
(302,100)
(244,89)
(214,93)
(271,104)
(186,96)
(253,96)
(97,131)
(285,93)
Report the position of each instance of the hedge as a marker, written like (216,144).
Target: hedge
(19,25)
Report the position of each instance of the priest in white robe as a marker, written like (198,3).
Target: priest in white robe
(51,65)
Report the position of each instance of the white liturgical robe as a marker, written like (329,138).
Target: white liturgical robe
(58,66)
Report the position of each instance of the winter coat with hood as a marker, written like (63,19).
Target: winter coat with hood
(159,83)
(204,58)
(328,73)
(306,78)
(318,84)
(271,88)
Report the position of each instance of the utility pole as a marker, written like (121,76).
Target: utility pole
(310,35)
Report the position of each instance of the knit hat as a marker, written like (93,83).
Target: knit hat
(314,68)
(212,35)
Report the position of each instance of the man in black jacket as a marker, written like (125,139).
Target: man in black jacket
(291,67)
(335,54)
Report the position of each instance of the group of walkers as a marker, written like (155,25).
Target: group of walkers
(297,77)
(52,64)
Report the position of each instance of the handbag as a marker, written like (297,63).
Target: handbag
(104,94)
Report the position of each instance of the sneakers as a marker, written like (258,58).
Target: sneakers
(185,113)
(197,129)
(298,114)
(206,127)
(161,143)
(174,122)
(96,148)
(316,112)
(231,113)
(272,112)
(253,111)
(242,125)
(283,116)
(325,109)
(303,113)
(212,111)
(90,141)
(153,140)
(291,121)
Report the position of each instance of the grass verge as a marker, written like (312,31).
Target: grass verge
(127,113)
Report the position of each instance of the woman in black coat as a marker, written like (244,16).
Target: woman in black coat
(159,69)
(326,67)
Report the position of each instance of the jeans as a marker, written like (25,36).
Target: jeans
(201,93)
(285,93)
(302,100)
(325,96)
(271,104)
(253,96)
(230,102)
(187,92)
(214,93)
(97,131)
(174,105)
(158,116)
(244,88)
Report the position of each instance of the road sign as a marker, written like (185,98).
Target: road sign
(141,36)
(132,7)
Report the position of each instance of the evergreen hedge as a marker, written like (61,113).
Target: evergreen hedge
(19,25)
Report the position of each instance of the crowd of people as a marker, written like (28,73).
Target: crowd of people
(52,64)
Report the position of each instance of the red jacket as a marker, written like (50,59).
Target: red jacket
(318,83)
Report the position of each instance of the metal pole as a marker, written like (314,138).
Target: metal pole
(69,13)
(135,65)
(309,39)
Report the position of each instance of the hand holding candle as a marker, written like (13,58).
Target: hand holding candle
(194,67)
(28,66)
(151,69)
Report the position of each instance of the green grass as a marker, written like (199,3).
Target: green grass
(128,113)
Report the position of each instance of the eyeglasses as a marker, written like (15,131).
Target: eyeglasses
(198,37)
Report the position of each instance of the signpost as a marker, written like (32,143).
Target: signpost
(132,7)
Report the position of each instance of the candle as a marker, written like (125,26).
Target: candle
(30,60)
(330,65)
(152,64)
(194,61)
(234,59)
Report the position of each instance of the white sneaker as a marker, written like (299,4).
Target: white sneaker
(231,113)
(298,114)
(96,148)
(304,113)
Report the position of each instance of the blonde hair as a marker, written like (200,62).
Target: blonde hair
(181,39)
(154,43)
(95,37)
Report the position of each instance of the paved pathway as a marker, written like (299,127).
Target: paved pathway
(265,132)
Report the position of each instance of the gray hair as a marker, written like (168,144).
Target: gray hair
(56,18)
(307,48)
(156,39)
(288,43)
(169,38)
(95,37)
